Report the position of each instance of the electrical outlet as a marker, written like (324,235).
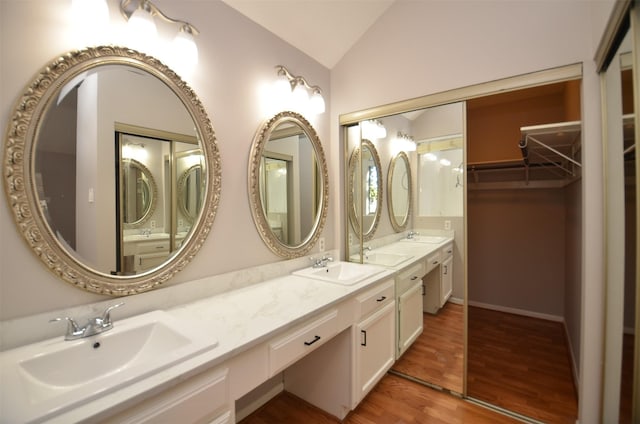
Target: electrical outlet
(350,239)
(152,224)
(447,224)
(321,244)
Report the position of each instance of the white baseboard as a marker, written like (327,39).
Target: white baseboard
(517,311)
(572,357)
(456,300)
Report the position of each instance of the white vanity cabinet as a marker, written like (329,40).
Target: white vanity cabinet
(374,338)
(438,283)
(204,398)
(446,279)
(409,300)
(147,253)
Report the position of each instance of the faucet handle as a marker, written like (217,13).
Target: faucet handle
(72,326)
(106,315)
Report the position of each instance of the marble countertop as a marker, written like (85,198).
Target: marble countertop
(417,250)
(238,320)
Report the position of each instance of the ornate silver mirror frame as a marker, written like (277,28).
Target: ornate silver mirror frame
(400,182)
(321,187)
(21,186)
(358,184)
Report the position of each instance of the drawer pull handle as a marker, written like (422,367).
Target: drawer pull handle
(381,299)
(315,339)
(446,270)
(449,251)
(415,277)
(435,262)
(364,342)
(423,290)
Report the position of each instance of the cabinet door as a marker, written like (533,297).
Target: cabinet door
(446,281)
(375,349)
(410,320)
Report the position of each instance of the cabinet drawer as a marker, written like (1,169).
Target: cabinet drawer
(447,251)
(409,277)
(433,260)
(300,341)
(374,299)
(200,399)
(153,246)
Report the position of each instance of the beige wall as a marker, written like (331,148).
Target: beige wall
(237,58)
(516,242)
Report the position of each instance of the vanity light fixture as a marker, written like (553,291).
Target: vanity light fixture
(140,14)
(373,129)
(295,90)
(406,142)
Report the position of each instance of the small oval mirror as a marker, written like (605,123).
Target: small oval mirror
(365,189)
(399,191)
(139,191)
(288,184)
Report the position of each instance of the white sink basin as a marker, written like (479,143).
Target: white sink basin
(385,258)
(345,273)
(46,378)
(426,239)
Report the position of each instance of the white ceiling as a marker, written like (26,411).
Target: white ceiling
(323,29)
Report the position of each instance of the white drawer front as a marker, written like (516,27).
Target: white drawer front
(433,260)
(447,251)
(153,246)
(299,342)
(374,299)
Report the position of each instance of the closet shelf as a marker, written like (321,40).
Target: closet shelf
(550,159)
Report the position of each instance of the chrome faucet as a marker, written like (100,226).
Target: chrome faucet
(322,262)
(95,325)
(412,234)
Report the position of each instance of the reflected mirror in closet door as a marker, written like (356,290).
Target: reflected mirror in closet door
(621,234)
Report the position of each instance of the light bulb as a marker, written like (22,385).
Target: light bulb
(91,17)
(431,157)
(317,103)
(143,30)
(300,97)
(445,162)
(381,131)
(184,52)
(282,92)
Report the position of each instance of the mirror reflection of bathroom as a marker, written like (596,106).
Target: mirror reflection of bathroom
(159,194)
(431,342)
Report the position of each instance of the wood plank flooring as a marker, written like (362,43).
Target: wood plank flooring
(521,364)
(394,400)
(437,355)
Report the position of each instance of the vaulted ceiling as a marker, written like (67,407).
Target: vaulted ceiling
(323,29)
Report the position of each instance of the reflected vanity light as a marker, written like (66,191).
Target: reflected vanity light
(373,129)
(431,157)
(143,30)
(445,162)
(135,151)
(405,142)
(294,91)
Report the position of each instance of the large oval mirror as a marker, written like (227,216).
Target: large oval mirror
(85,190)
(288,184)
(365,189)
(399,191)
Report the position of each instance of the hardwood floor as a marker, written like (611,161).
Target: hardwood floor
(394,400)
(521,364)
(437,356)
